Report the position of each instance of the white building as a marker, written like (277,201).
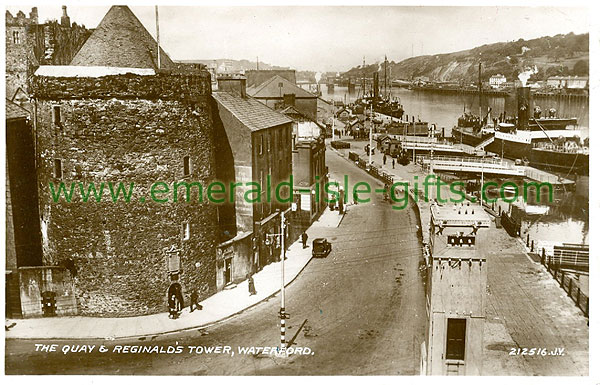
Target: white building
(497,80)
(572,82)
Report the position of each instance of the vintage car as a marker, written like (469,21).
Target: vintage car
(321,247)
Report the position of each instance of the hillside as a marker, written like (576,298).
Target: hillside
(235,65)
(556,55)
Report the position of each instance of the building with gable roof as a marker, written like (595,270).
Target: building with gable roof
(114,116)
(252,144)
(272,91)
(257,77)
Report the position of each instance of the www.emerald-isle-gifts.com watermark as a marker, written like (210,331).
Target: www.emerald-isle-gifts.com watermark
(399,193)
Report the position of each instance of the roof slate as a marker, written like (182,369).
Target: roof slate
(14,111)
(271,89)
(250,112)
(120,40)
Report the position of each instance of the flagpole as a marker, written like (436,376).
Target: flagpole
(157,36)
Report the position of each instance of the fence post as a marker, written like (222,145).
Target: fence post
(562,279)
(570,286)
(578,294)
(532,245)
(587,307)
(527,238)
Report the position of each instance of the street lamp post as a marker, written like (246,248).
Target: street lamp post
(282,314)
(371,136)
(481,192)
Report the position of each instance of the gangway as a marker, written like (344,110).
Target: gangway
(494,166)
(473,165)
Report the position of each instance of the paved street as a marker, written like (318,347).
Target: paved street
(364,304)
(526,308)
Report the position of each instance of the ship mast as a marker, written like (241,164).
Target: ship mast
(480,87)
(364,87)
(385,77)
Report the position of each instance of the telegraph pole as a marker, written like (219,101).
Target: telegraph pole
(282,314)
(431,155)
(333,130)
(282,310)
(371,135)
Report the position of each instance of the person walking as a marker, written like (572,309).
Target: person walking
(195,300)
(304,239)
(251,287)
(384,159)
(393,163)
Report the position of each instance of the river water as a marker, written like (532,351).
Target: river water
(566,218)
(444,109)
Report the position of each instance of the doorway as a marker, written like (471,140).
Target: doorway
(228,272)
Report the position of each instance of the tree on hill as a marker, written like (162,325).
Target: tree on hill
(581,68)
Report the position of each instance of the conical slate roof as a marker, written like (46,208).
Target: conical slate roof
(120,40)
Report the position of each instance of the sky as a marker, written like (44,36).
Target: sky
(333,38)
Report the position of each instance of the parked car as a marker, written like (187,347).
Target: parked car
(321,247)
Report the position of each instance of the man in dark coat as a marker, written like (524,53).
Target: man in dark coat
(175,296)
(195,300)
(304,239)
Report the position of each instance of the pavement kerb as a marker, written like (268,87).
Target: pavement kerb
(208,324)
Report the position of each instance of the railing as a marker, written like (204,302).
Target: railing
(571,257)
(475,164)
(468,159)
(573,290)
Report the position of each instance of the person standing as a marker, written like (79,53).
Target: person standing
(384,159)
(194,300)
(251,287)
(393,163)
(175,296)
(304,239)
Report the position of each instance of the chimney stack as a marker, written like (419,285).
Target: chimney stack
(289,99)
(33,15)
(232,85)
(65,20)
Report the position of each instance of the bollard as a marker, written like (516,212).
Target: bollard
(543,256)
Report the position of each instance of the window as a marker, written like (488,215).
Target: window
(58,172)
(260,144)
(16,37)
(187,166)
(56,115)
(268,142)
(185,233)
(455,339)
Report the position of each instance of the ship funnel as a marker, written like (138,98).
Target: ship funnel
(524,111)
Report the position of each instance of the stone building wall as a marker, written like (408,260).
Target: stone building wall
(20,61)
(130,129)
(30,44)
